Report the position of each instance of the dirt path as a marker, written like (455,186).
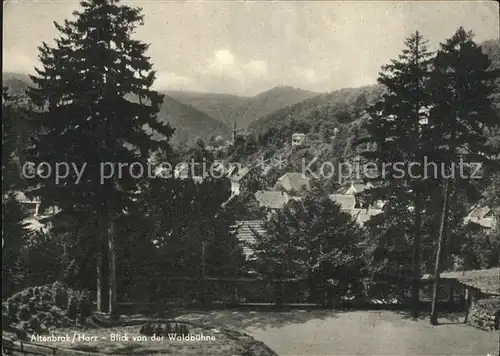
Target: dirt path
(321,333)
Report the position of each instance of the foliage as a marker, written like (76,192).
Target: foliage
(178,229)
(398,139)
(41,308)
(308,239)
(96,106)
(245,207)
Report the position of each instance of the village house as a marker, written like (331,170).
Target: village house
(482,216)
(358,188)
(272,199)
(298,139)
(479,290)
(32,204)
(349,205)
(292,183)
(37,217)
(240,177)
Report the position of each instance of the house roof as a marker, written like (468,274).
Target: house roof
(238,174)
(359,187)
(363,215)
(21,197)
(271,199)
(293,181)
(487,223)
(482,216)
(245,233)
(347,202)
(480,212)
(486,280)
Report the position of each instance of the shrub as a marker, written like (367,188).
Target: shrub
(5,320)
(11,308)
(24,313)
(34,324)
(24,326)
(60,295)
(163,329)
(47,306)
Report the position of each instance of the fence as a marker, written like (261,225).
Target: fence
(237,291)
(212,292)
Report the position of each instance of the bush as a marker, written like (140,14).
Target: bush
(163,329)
(5,321)
(24,313)
(11,308)
(34,324)
(44,307)
(60,295)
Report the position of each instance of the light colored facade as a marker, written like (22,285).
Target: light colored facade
(298,139)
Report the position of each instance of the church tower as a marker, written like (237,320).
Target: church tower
(234,131)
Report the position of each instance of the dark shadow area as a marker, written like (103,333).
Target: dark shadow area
(238,319)
(445,317)
(134,350)
(266,315)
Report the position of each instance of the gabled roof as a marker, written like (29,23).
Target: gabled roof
(293,181)
(487,223)
(347,202)
(294,177)
(480,212)
(238,174)
(363,215)
(359,187)
(21,198)
(481,215)
(272,199)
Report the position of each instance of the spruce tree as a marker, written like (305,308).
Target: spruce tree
(95,91)
(13,213)
(462,88)
(397,128)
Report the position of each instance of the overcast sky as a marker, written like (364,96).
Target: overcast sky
(247,47)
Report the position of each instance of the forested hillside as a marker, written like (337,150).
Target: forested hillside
(188,122)
(267,103)
(218,106)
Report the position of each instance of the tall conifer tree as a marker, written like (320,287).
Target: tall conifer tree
(95,91)
(462,88)
(397,126)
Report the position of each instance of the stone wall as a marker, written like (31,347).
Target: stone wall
(485,314)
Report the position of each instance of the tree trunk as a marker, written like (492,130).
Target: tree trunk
(416,256)
(102,262)
(437,270)
(112,269)
(310,286)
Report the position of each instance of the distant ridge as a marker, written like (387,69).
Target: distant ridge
(188,122)
(268,102)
